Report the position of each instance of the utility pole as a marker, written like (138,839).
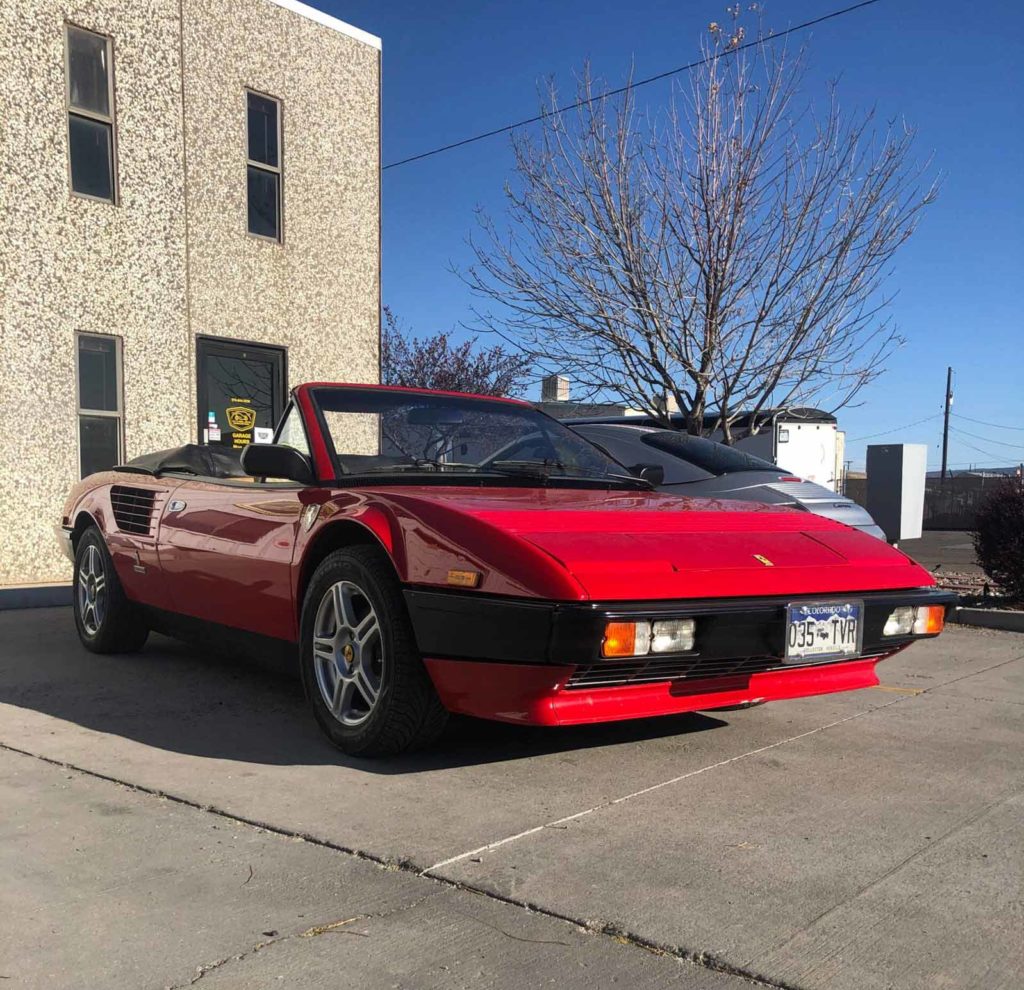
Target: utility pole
(945,423)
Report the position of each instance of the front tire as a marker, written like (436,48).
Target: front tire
(106,620)
(362,674)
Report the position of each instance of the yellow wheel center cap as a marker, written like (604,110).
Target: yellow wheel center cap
(348,653)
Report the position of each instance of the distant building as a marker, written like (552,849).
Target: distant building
(191,222)
(555,401)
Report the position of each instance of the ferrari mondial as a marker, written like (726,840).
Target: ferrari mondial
(422,553)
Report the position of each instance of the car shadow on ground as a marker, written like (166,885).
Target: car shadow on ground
(182,698)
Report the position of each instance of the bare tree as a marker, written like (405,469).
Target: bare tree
(730,253)
(437,362)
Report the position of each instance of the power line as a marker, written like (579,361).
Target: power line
(987,453)
(996,463)
(896,429)
(974,436)
(622,89)
(981,422)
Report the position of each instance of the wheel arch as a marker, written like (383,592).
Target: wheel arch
(83,520)
(333,536)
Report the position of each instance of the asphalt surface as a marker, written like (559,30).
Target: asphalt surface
(173,819)
(946,550)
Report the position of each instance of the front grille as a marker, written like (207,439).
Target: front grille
(650,670)
(647,670)
(135,509)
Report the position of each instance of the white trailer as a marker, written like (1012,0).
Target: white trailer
(806,442)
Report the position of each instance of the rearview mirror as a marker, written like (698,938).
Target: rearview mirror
(275,460)
(435,416)
(654,473)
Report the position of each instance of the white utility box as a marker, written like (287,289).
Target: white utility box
(896,473)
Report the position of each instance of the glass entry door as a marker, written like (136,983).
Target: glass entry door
(241,392)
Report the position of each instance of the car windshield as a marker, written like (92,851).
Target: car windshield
(715,458)
(424,436)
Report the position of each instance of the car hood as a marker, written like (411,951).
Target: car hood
(621,545)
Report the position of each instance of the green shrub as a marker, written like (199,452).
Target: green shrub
(999,537)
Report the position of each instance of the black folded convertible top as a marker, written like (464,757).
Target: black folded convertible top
(193,458)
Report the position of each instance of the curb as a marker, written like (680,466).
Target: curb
(989,618)
(40,596)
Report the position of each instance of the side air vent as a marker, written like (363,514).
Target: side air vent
(136,509)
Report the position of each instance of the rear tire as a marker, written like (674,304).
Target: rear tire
(106,620)
(363,676)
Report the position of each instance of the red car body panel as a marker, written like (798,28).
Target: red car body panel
(505,693)
(239,554)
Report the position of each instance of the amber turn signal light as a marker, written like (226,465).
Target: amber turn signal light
(464,579)
(925,620)
(929,620)
(626,639)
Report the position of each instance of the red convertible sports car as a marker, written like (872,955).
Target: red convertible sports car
(425,553)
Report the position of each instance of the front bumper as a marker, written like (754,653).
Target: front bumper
(518,660)
(64,536)
(537,695)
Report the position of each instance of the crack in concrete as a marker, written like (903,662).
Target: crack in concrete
(955,828)
(613,802)
(698,958)
(314,932)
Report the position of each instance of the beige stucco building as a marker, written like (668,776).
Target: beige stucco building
(190,223)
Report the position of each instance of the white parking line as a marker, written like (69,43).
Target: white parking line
(647,790)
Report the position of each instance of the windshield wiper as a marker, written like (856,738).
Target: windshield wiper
(426,464)
(540,471)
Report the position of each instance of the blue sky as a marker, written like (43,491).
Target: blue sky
(955,71)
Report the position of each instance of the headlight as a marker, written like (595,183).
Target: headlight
(672,636)
(925,620)
(636,639)
(900,622)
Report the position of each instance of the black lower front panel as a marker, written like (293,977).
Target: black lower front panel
(733,636)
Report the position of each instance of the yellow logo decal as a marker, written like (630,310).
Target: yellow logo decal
(763,560)
(240,418)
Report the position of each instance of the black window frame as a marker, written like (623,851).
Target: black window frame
(85,412)
(108,120)
(266,168)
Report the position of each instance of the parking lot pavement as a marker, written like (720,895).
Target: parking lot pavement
(868,839)
(109,887)
(945,550)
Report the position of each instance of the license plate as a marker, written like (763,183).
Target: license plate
(823,631)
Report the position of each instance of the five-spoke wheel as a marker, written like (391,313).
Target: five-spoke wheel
(349,653)
(92,590)
(363,675)
(107,621)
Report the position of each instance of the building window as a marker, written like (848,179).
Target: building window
(99,402)
(90,105)
(264,165)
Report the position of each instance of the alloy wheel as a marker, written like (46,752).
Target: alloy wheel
(348,653)
(92,591)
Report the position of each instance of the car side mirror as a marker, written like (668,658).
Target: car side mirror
(654,473)
(276,460)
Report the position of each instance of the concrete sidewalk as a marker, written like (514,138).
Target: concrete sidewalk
(861,840)
(109,887)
